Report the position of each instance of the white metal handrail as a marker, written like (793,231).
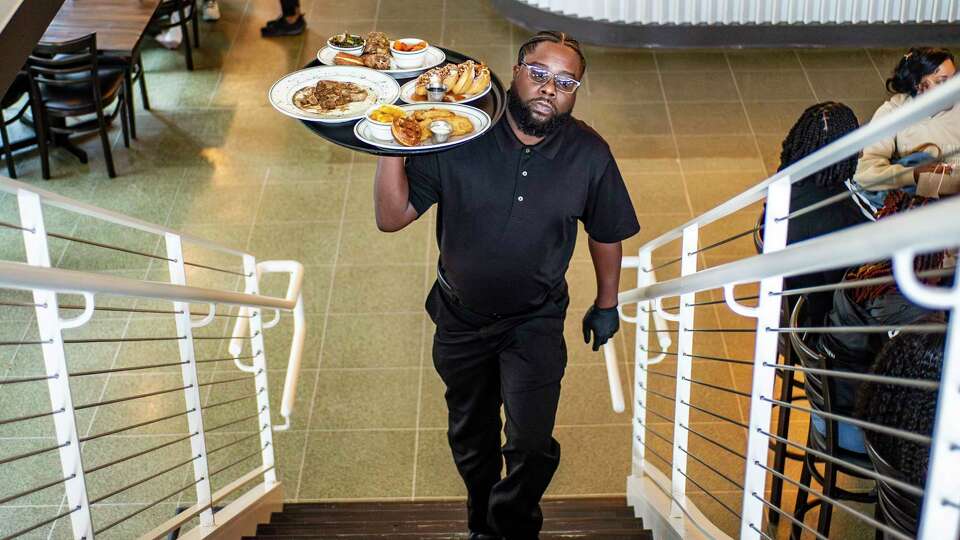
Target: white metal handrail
(38,276)
(661,498)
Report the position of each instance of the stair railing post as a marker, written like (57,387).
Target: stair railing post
(252,286)
(766,346)
(50,327)
(681,410)
(188,370)
(644,319)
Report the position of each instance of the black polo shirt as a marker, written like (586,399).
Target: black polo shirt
(507,212)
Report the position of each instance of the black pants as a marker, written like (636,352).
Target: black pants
(289,7)
(486,362)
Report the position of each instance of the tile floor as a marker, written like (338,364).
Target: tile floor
(689,129)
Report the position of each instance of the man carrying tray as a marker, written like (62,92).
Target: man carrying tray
(508,203)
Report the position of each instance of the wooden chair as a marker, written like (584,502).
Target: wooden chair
(819,395)
(67,81)
(186,11)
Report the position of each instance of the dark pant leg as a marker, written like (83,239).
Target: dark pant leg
(289,7)
(467,363)
(531,368)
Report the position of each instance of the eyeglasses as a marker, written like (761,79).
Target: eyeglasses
(542,76)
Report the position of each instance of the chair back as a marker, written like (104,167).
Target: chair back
(897,508)
(184,8)
(62,64)
(815,386)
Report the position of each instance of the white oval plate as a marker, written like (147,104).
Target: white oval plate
(432,59)
(480,119)
(406,94)
(381,89)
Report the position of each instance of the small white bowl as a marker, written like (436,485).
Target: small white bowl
(409,60)
(381,130)
(356,51)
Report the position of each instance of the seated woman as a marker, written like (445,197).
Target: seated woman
(877,305)
(892,163)
(817,127)
(911,356)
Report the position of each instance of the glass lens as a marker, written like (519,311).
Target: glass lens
(538,75)
(565,84)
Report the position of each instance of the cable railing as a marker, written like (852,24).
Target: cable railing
(722,406)
(189,425)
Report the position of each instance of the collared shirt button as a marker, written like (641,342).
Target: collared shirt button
(524,173)
(520,198)
(526,150)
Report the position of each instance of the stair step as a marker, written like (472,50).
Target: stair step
(438,526)
(422,514)
(612,534)
(378,506)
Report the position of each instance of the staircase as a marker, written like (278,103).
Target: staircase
(568,518)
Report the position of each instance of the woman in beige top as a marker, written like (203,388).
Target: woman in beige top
(878,170)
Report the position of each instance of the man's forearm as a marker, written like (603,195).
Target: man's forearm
(391,194)
(606,263)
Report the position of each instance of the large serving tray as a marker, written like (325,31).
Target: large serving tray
(494,103)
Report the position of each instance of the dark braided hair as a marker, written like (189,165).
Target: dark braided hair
(553,36)
(912,356)
(914,66)
(817,127)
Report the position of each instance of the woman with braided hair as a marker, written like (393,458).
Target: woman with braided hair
(909,356)
(818,126)
(923,157)
(874,305)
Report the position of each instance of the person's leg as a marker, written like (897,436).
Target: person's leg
(467,364)
(531,368)
(290,8)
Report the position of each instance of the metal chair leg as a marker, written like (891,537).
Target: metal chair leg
(188,48)
(780,449)
(7,150)
(143,83)
(196,27)
(826,509)
(124,118)
(105,141)
(801,507)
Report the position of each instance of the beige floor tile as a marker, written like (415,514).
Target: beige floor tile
(367,399)
(763,85)
(417,9)
(699,86)
(464,33)
(835,84)
(775,118)
(691,61)
(708,189)
(653,193)
(357,464)
(766,59)
(363,243)
(437,475)
(708,119)
(649,154)
(625,88)
(583,470)
(372,289)
(700,153)
(316,287)
(377,340)
(834,58)
(612,120)
(340,9)
(585,397)
(314,201)
(308,243)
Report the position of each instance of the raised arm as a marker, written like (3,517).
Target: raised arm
(391,195)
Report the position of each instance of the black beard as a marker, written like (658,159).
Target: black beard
(522,115)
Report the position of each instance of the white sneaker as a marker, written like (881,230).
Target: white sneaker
(211,11)
(173,36)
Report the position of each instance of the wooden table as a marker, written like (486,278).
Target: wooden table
(119,24)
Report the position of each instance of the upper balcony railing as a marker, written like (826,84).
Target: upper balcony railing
(712,430)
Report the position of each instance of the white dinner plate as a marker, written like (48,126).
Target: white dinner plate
(406,94)
(433,58)
(381,89)
(480,119)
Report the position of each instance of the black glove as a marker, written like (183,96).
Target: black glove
(604,322)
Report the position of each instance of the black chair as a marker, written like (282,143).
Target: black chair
(791,389)
(895,507)
(133,73)
(19,88)
(818,392)
(186,11)
(66,81)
